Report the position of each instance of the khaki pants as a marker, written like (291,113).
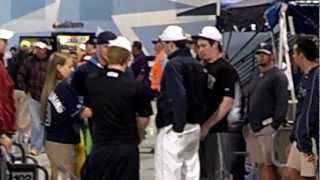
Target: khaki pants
(296,160)
(259,144)
(23,116)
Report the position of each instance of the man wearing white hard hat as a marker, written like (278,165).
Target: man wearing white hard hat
(7,107)
(181,108)
(121,107)
(222,82)
(31,78)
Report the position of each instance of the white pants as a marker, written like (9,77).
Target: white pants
(176,154)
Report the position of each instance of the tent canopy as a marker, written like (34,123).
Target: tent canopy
(251,15)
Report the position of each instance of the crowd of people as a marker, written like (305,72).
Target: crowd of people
(204,114)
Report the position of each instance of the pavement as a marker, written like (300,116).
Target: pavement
(146,153)
(146,160)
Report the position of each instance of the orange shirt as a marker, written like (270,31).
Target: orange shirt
(156,71)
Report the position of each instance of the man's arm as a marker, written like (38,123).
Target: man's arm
(310,118)
(144,109)
(6,141)
(78,81)
(23,77)
(142,122)
(223,109)
(281,101)
(177,95)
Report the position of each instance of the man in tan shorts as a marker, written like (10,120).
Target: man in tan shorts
(259,144)
(302,158)
(268,102)
(300,165)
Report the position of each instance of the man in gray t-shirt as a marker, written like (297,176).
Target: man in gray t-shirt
(268,102)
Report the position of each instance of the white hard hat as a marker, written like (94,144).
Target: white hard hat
(173,33)
(122,42)
(6,34)
(41,45)
(210,32)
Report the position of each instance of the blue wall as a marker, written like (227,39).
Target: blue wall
(37,16)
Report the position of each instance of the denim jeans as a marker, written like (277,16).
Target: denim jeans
(37,132)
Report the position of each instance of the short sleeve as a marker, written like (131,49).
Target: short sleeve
(228,80)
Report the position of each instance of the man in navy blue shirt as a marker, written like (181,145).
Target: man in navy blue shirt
(267,109)
(181,110)
(139,64)
(95,65)
(302,159)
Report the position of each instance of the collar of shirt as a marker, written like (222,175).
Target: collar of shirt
(311,71)
(180,52)
(94,60)
(139,55)
(114,73)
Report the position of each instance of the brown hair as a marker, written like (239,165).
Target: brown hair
(118,55)
(52,78)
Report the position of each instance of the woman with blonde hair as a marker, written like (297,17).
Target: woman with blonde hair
(61,110)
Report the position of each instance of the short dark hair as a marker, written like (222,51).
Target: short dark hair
(13,49)
(211,42)
(307,47)
(180,44)
(137,44)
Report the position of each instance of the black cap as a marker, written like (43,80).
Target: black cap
(265,48)
(156,40)
(92,41)
(105,37)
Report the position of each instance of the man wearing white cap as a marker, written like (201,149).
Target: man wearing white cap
(121,109)
(31,78)
(7,107)
(181,108)
(222,80)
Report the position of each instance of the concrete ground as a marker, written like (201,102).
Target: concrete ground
(146,154)
(146,160)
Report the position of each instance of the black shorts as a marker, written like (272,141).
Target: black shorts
(112,162)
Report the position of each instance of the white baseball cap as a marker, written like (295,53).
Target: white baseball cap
(173,33)
(122,42)
(210,32)
(41,45)
(6,34)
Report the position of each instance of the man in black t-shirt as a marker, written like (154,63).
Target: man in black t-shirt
(222,79)
(121,109)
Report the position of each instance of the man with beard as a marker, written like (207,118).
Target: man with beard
(268,103)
